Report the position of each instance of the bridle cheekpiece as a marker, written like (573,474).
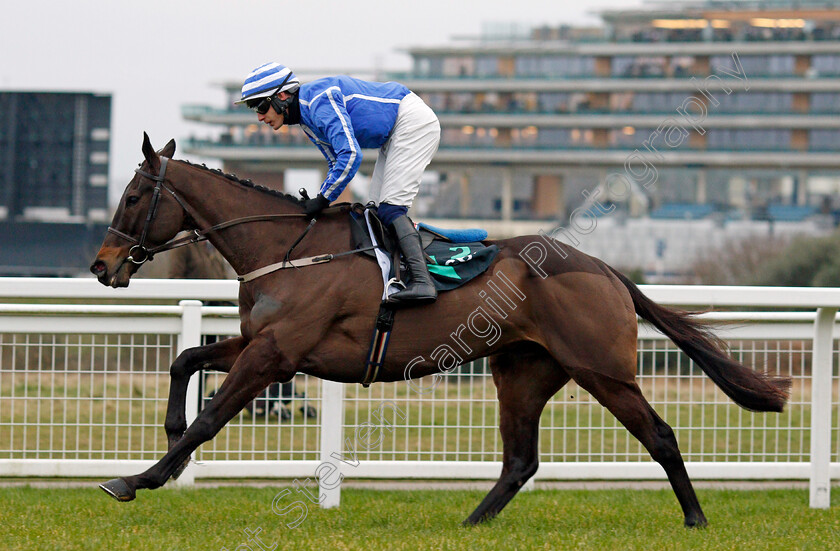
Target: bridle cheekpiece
(139,248)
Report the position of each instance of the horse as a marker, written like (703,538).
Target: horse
(568,317)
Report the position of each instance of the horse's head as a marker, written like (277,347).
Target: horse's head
(148,215)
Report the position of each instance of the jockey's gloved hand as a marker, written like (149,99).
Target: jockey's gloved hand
(313,206)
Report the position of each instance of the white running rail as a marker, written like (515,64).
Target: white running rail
(84,377)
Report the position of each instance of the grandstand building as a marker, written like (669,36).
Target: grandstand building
(717,111)
(54,148)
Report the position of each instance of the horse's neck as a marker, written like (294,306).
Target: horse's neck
(249,245)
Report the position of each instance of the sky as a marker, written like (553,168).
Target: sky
(153,56)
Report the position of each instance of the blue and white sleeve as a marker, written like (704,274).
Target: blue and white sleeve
(334,122)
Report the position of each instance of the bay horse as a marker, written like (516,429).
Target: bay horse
(573,318)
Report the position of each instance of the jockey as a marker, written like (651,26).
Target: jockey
(341,115)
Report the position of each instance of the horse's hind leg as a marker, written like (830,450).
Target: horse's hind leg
(525,380)
(218,356)
(626,402)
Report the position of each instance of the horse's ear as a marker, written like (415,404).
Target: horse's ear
(149,153)
(168,150)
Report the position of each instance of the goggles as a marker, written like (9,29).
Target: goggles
(260,105)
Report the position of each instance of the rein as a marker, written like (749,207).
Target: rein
(197,235)
(299,263)
(147,254)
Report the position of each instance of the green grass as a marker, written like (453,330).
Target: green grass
(209,519)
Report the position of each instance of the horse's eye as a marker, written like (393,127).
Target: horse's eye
(131,200)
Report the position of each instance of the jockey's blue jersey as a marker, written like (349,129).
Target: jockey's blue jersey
(342,115)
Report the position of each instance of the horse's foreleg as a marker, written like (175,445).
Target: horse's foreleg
(524,382)
(218,356)
(258,365)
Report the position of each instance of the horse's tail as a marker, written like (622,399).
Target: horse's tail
(749,389)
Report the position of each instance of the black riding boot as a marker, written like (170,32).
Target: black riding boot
(420,287)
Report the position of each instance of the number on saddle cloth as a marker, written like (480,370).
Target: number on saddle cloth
(454,264)
(457,256)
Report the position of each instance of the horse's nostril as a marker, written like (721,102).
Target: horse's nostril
(97,267)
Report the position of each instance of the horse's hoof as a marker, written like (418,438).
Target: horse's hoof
(696,522)
(119,490)
(180,469)
(475,521)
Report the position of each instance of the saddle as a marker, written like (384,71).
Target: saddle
(454,257)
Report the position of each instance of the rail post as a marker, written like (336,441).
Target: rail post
(821,369)
(189,337)
(332,429)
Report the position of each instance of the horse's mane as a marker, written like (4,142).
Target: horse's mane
(246,183)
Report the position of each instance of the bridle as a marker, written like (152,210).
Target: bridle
(139,253)
(140,244)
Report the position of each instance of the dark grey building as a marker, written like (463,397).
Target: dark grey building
(54,150)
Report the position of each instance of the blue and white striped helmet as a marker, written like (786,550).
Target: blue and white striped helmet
(267,80)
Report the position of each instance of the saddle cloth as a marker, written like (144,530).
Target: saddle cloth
(451,261)
(453,264)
